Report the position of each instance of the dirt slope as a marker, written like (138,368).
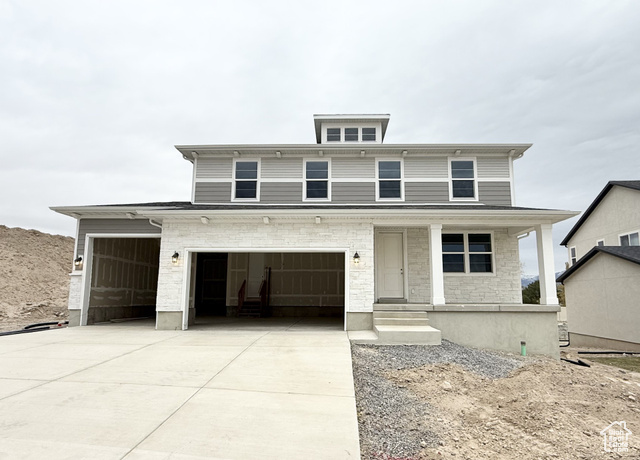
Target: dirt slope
(34,276)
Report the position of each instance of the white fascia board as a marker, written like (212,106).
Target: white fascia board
(473,216)
(345,149)
(87,212)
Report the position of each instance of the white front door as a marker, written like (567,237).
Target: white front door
(390,265)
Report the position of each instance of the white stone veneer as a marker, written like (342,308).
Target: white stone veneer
(333,236)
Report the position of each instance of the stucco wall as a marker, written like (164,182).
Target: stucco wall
(334,236)
(501,287)
(618,212)
(602,299)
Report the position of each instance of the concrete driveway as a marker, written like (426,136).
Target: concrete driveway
(279,389)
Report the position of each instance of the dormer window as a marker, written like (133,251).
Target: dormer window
(333,135)
(351,134)
(368,134)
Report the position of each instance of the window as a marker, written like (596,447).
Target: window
(246,180)
(467,253)
(368,134)
(389,179)
(317,180)
(463,179)
(572,255)
(351,134)
(630,239)
(333,135)
(600,243)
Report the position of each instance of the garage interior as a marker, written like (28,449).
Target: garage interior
(268,284)
(124,279)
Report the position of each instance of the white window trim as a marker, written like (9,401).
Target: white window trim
(233,183)
(378,160)
(571,261)
(467,271)
(627,234)
(304,180)
(600,241)
(475,179)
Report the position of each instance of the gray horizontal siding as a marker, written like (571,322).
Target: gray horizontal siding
(493,167)
(353,192)
(495,193)
(214,168)
(352,168)
(111,226)
(281,168)
(426,167)
(213,192)
(281,192)
(426,192)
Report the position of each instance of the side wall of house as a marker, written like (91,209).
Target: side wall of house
(355,236)
(602,301)
(617,213)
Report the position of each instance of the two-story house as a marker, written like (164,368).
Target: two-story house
(386,237)
(602,283)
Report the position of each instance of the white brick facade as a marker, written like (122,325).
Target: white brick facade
(503,287)
(75,291)
(351,236)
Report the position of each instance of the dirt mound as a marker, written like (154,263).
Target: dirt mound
(34,276)
(548,409)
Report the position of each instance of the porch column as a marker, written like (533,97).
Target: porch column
(546,268)
(435,259)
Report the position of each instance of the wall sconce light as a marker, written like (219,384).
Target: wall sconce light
(356,258)
(78,262)
(175,257)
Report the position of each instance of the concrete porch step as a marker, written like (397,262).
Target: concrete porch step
(397,307)
(401,321)
(423,335)
(400,314)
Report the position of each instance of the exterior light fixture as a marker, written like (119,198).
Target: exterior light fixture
(356,258)
(175,257)
(78,262)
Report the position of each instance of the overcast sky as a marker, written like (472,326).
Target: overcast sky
(95,94)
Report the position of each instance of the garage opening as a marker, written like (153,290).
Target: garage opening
(269,284)
(124,279)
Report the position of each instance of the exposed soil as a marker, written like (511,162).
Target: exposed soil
(34,277)
(544,409)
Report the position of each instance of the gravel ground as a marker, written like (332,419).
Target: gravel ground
(394,423)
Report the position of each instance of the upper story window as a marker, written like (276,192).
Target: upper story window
(572,255)
(630,239)
(246,180)
(600,243)
(463,184)
(389,179)
(467,253)
(334,135)
(351,134)
(316,180)
(368,134)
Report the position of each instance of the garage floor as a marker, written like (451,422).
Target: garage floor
(256,391)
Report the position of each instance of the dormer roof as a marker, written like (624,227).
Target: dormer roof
(346,119)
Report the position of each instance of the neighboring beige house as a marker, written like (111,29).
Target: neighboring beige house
(410,242)
(602,284)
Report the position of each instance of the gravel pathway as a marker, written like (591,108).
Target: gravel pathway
(393,422)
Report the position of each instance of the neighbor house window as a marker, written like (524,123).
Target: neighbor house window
(368,134)
(333,135)
(572,255)
(317,180)
(246,180)
(351,134)
(630,239)
(389,179)
(463,179)
(467,253)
